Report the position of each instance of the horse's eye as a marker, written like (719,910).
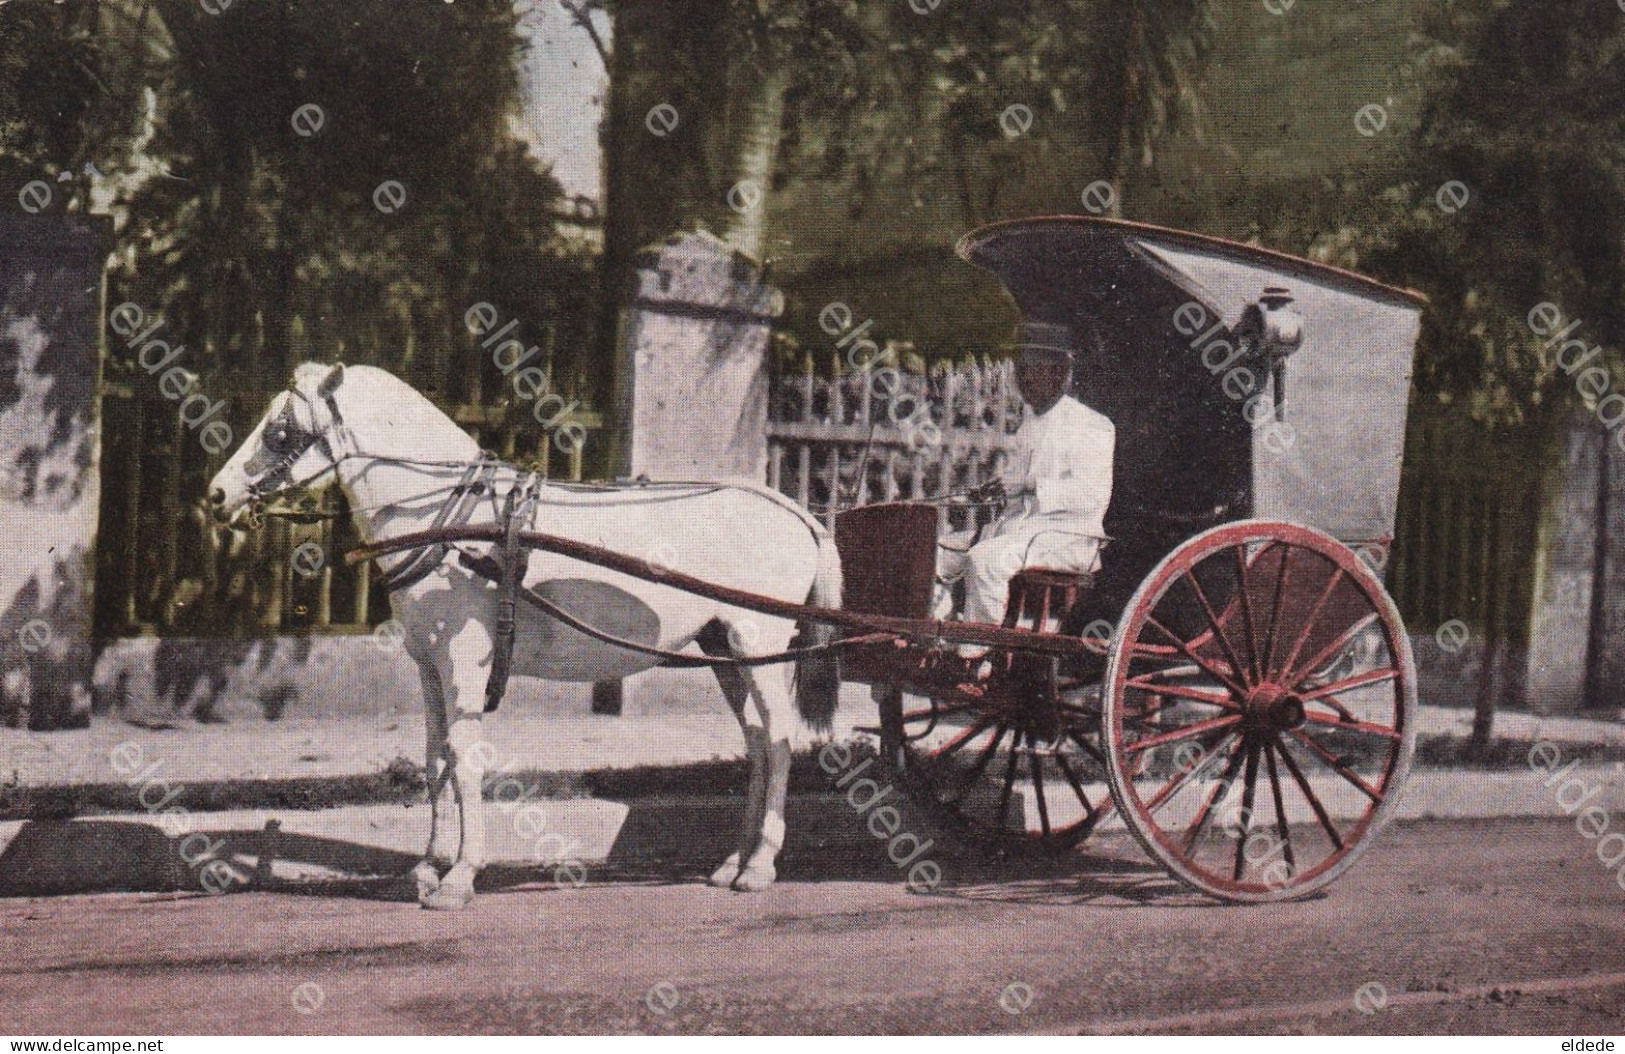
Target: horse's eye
(279,437)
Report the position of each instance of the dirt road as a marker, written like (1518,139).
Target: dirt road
(1501,926)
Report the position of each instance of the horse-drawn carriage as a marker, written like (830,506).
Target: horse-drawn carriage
(1233,682)
(1236,642)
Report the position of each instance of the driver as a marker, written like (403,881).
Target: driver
(1058,481)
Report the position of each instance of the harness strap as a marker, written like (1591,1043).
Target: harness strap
(422,563)
(515,561)
(487,567)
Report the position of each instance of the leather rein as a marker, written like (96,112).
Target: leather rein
(479,477)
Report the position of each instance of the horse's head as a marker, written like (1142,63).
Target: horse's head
(296,445)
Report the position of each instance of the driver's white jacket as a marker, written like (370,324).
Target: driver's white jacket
(1062,467)
(1059,478)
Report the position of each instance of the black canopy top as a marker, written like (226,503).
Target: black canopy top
(1168,323)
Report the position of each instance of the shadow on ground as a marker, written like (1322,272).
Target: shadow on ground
(659,842)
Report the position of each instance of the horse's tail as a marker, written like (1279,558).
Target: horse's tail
(818,677)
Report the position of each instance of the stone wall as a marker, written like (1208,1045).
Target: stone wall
(50,353)
(1577,619)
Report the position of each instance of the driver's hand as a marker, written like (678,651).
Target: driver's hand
(991,491)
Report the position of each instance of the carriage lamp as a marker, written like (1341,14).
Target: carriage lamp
(1273,329)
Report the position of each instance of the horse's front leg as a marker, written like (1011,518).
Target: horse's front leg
(436,769)
(463,677)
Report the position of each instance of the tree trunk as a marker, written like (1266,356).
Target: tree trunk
(601,373)
(755,158)
(1128,121)
(1478,743)
(1596,687)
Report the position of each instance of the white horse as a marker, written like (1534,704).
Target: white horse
(400,461)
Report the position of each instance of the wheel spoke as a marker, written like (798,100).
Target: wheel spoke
(1195,829)
(978,766)
(970,732)
(1275,610)
(1247,612)
(1200,728)
(1189,669)
(1280,807)
(1155,652)
(1314,614)
(1230,652)
(1009,780)
(1359,680)
(1036,763)
(1308,793)
(1337,764)
(1195,694)
(1354,726)
(939,712)
(1207,666)
(1343,712)
(1249,787)
(1181,778)
(1147,718)
(1077,786)
(1300,673)
(1088,747)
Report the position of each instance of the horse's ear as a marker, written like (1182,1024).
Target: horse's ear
(331,382)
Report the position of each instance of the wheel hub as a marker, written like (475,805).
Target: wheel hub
(1272,708)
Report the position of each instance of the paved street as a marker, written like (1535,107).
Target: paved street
(1477,926)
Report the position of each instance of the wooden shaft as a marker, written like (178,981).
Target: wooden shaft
(934,629)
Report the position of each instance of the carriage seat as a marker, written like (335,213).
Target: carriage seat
(1041,598)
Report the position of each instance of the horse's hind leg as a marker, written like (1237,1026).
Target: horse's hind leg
(771,693)
(713,640)
(436,764)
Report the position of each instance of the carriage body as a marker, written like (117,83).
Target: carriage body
(1259,402)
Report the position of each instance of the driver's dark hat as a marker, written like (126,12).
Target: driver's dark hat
(1052,338)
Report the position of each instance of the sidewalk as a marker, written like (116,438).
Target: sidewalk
(660,835)
(525,738)
(618,792)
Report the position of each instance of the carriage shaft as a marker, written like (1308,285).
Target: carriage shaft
(933,630)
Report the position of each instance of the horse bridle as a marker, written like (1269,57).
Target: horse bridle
(287,441)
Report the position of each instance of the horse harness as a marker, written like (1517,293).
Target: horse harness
(287,441)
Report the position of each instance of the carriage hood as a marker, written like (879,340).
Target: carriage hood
(1162,316)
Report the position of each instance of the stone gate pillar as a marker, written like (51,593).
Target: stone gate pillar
(691,387)
(50,371)
(691,383)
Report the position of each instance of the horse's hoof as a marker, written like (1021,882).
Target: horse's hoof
(449,897)
(456,890)
(755,878)
(723,877)
(428,880)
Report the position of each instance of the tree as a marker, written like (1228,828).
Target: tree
(876,105)
(260,246)
(1118,76)
(1512,196)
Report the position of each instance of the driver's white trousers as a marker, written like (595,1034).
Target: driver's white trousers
(988,566)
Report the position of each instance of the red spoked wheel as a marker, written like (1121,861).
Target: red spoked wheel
(1258,711)
(1019,769)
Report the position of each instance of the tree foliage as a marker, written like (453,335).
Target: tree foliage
(1527,121)
(260,246)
